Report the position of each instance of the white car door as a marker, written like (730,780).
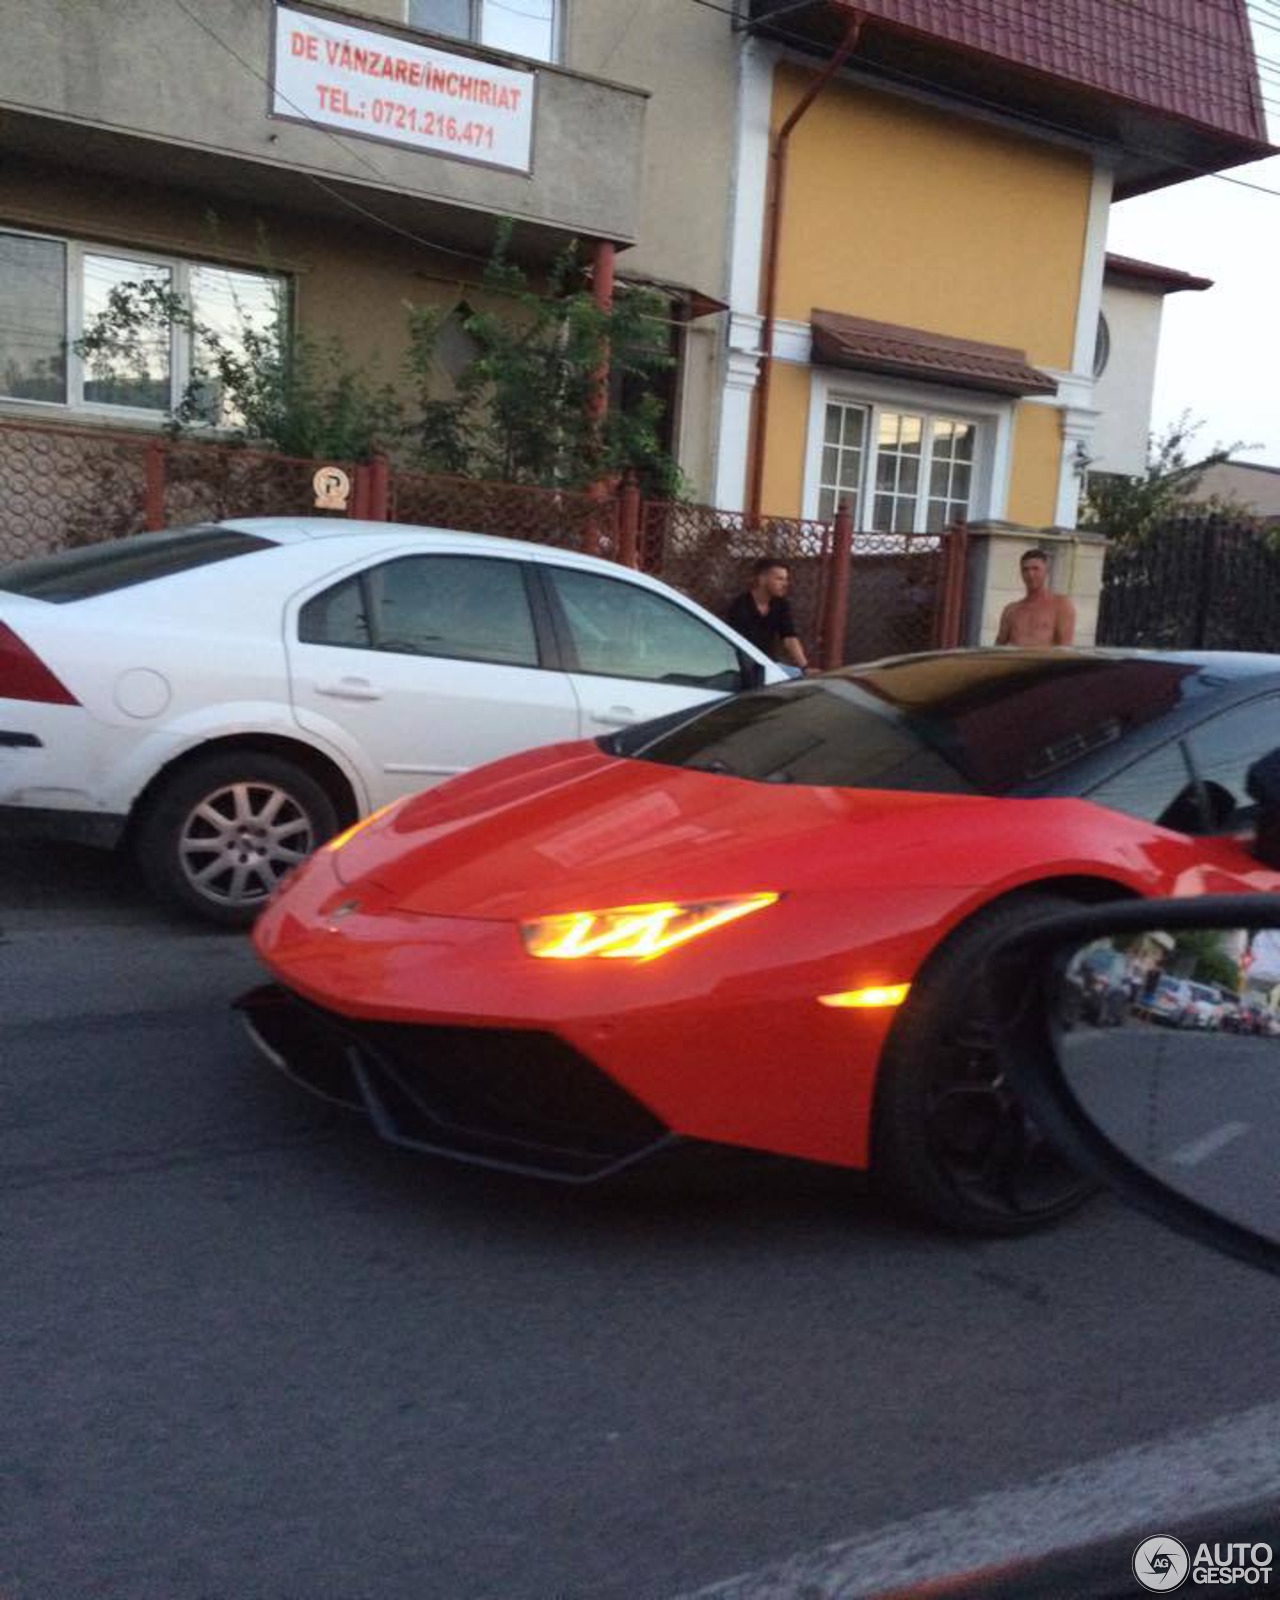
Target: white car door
(424,666)
(635,653)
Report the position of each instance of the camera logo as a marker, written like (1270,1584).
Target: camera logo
(1161,1564)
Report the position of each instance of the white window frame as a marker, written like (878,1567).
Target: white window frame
(474,34)
(179,268)
(992,415)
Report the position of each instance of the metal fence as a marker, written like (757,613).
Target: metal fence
(1207,582)
(572,520)
(855,596)
(709,555)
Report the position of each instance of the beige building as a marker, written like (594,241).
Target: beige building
(363,157)
(922,305)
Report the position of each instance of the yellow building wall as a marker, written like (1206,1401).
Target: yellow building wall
(784,445)
(906,214)
(1037,451)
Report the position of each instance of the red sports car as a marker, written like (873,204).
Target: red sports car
(762,923)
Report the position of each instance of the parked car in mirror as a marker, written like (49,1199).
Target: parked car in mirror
(223,698)
(1185,1127)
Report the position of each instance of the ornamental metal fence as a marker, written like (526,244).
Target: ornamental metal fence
(1210,582)
(855,596)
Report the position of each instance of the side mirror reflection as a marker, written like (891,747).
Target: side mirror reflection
(1143,1039)
(1169,1042)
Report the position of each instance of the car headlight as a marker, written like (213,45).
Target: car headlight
(633,932)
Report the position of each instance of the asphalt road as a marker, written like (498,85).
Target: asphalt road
(249,1353)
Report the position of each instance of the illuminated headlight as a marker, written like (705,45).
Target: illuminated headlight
(633,932)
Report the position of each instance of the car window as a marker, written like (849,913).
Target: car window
(1159,787)
(991,722)
(120,563)
(1196,784)
(468,608)
(1224,748)
(623,631)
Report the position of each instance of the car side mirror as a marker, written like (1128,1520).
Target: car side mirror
(752,672)
(1262,783)
(1143,1039)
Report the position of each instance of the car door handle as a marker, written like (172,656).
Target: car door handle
(615,717)
(350,689)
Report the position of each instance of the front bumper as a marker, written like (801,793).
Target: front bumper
(521,1100)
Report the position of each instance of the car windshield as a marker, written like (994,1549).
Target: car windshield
(120,563)
(987,722)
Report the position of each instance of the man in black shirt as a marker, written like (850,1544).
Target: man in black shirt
(763,615)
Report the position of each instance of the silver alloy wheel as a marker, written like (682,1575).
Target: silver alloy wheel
(241,839)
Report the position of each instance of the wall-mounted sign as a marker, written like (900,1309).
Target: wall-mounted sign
(384,87)
(332,488)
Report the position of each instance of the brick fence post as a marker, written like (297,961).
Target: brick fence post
(379,489)
(837,609)
(629,522)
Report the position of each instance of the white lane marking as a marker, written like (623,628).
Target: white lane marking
(1208,1144)
(1232,1462)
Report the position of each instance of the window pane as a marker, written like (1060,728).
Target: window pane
(141,377)
(33,318)
(470,608)
(1222,751)
(242,311)
(525,27)
(966,724)
(121,563)
(442,16)
(622,631)
(842,459)
(337,616)
(1148,788)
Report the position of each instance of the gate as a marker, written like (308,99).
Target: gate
(1203,583)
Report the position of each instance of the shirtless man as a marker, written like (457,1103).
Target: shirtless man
(1043,617)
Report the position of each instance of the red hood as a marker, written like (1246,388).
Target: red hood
(568,828)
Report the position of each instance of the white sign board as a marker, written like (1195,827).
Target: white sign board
(382,86)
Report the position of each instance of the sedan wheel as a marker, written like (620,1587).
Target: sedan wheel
(221,833)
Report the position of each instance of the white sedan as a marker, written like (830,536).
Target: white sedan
(225,697)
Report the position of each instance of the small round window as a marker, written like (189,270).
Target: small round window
(1101,347)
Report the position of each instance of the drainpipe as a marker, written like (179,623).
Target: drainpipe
(773,236)
(598,394)
(602,293)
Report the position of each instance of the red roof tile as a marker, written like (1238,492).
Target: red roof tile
(841,341)
(1167,88)
(1191,59)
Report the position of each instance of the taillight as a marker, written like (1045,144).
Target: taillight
(23,676)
